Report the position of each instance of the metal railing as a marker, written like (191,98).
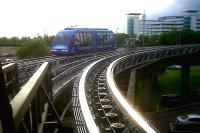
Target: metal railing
(29,121)
(132,113)
(133,61)
(30,105)
(91,111)
(11,79)
(83,116)
(27,95)
(58,64)
(83,111)
(70,70)
(142,57)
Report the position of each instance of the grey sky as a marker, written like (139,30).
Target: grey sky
(178,8)
(36,17)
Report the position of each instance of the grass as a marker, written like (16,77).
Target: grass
(169,82)
(195,78)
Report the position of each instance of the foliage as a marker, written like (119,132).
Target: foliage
(169,38)
(148,40)
(194,78)
(120,38)
(190,37)
(17,42)
(48,39)
(173,80)
(175,37)
(34,48)
(170,81)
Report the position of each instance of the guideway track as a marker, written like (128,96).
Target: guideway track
(95,98)
(86,94)
(96,107)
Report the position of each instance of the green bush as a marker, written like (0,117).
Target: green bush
(148,40)
(34,48)
(179,37)
(120,38)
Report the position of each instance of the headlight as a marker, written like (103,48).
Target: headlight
(64,50)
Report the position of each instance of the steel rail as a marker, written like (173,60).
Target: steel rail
(73,70)
(82,92)
(121,64)
(123,103)
(92,127)
(58,64)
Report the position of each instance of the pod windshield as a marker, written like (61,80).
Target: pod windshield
(61,40)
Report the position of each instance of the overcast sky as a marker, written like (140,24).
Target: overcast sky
(36,17)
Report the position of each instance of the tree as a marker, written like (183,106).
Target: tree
(121,37)
(169,38)
(34,48)
(48,39)
(163,39)
(148,40)
(4,40)
(186,36)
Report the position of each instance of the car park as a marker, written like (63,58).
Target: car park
(190,122)
(174,67)
(171,101)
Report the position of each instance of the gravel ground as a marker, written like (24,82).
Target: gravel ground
(10,50)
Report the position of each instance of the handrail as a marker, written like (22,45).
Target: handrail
(10,74)
(92,127)
(20,103)
(123,103)
(8,67)
(121,64)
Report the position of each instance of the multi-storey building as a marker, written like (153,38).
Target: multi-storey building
(133,23)
(164,24)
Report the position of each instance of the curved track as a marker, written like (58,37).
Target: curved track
(97,102)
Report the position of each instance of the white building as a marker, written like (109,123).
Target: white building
(165,24)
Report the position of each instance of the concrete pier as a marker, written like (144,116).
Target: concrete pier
(185,76)
(148,78)
(131,87)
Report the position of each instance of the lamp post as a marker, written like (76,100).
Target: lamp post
(179,38)
(143,20)
(117,30)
